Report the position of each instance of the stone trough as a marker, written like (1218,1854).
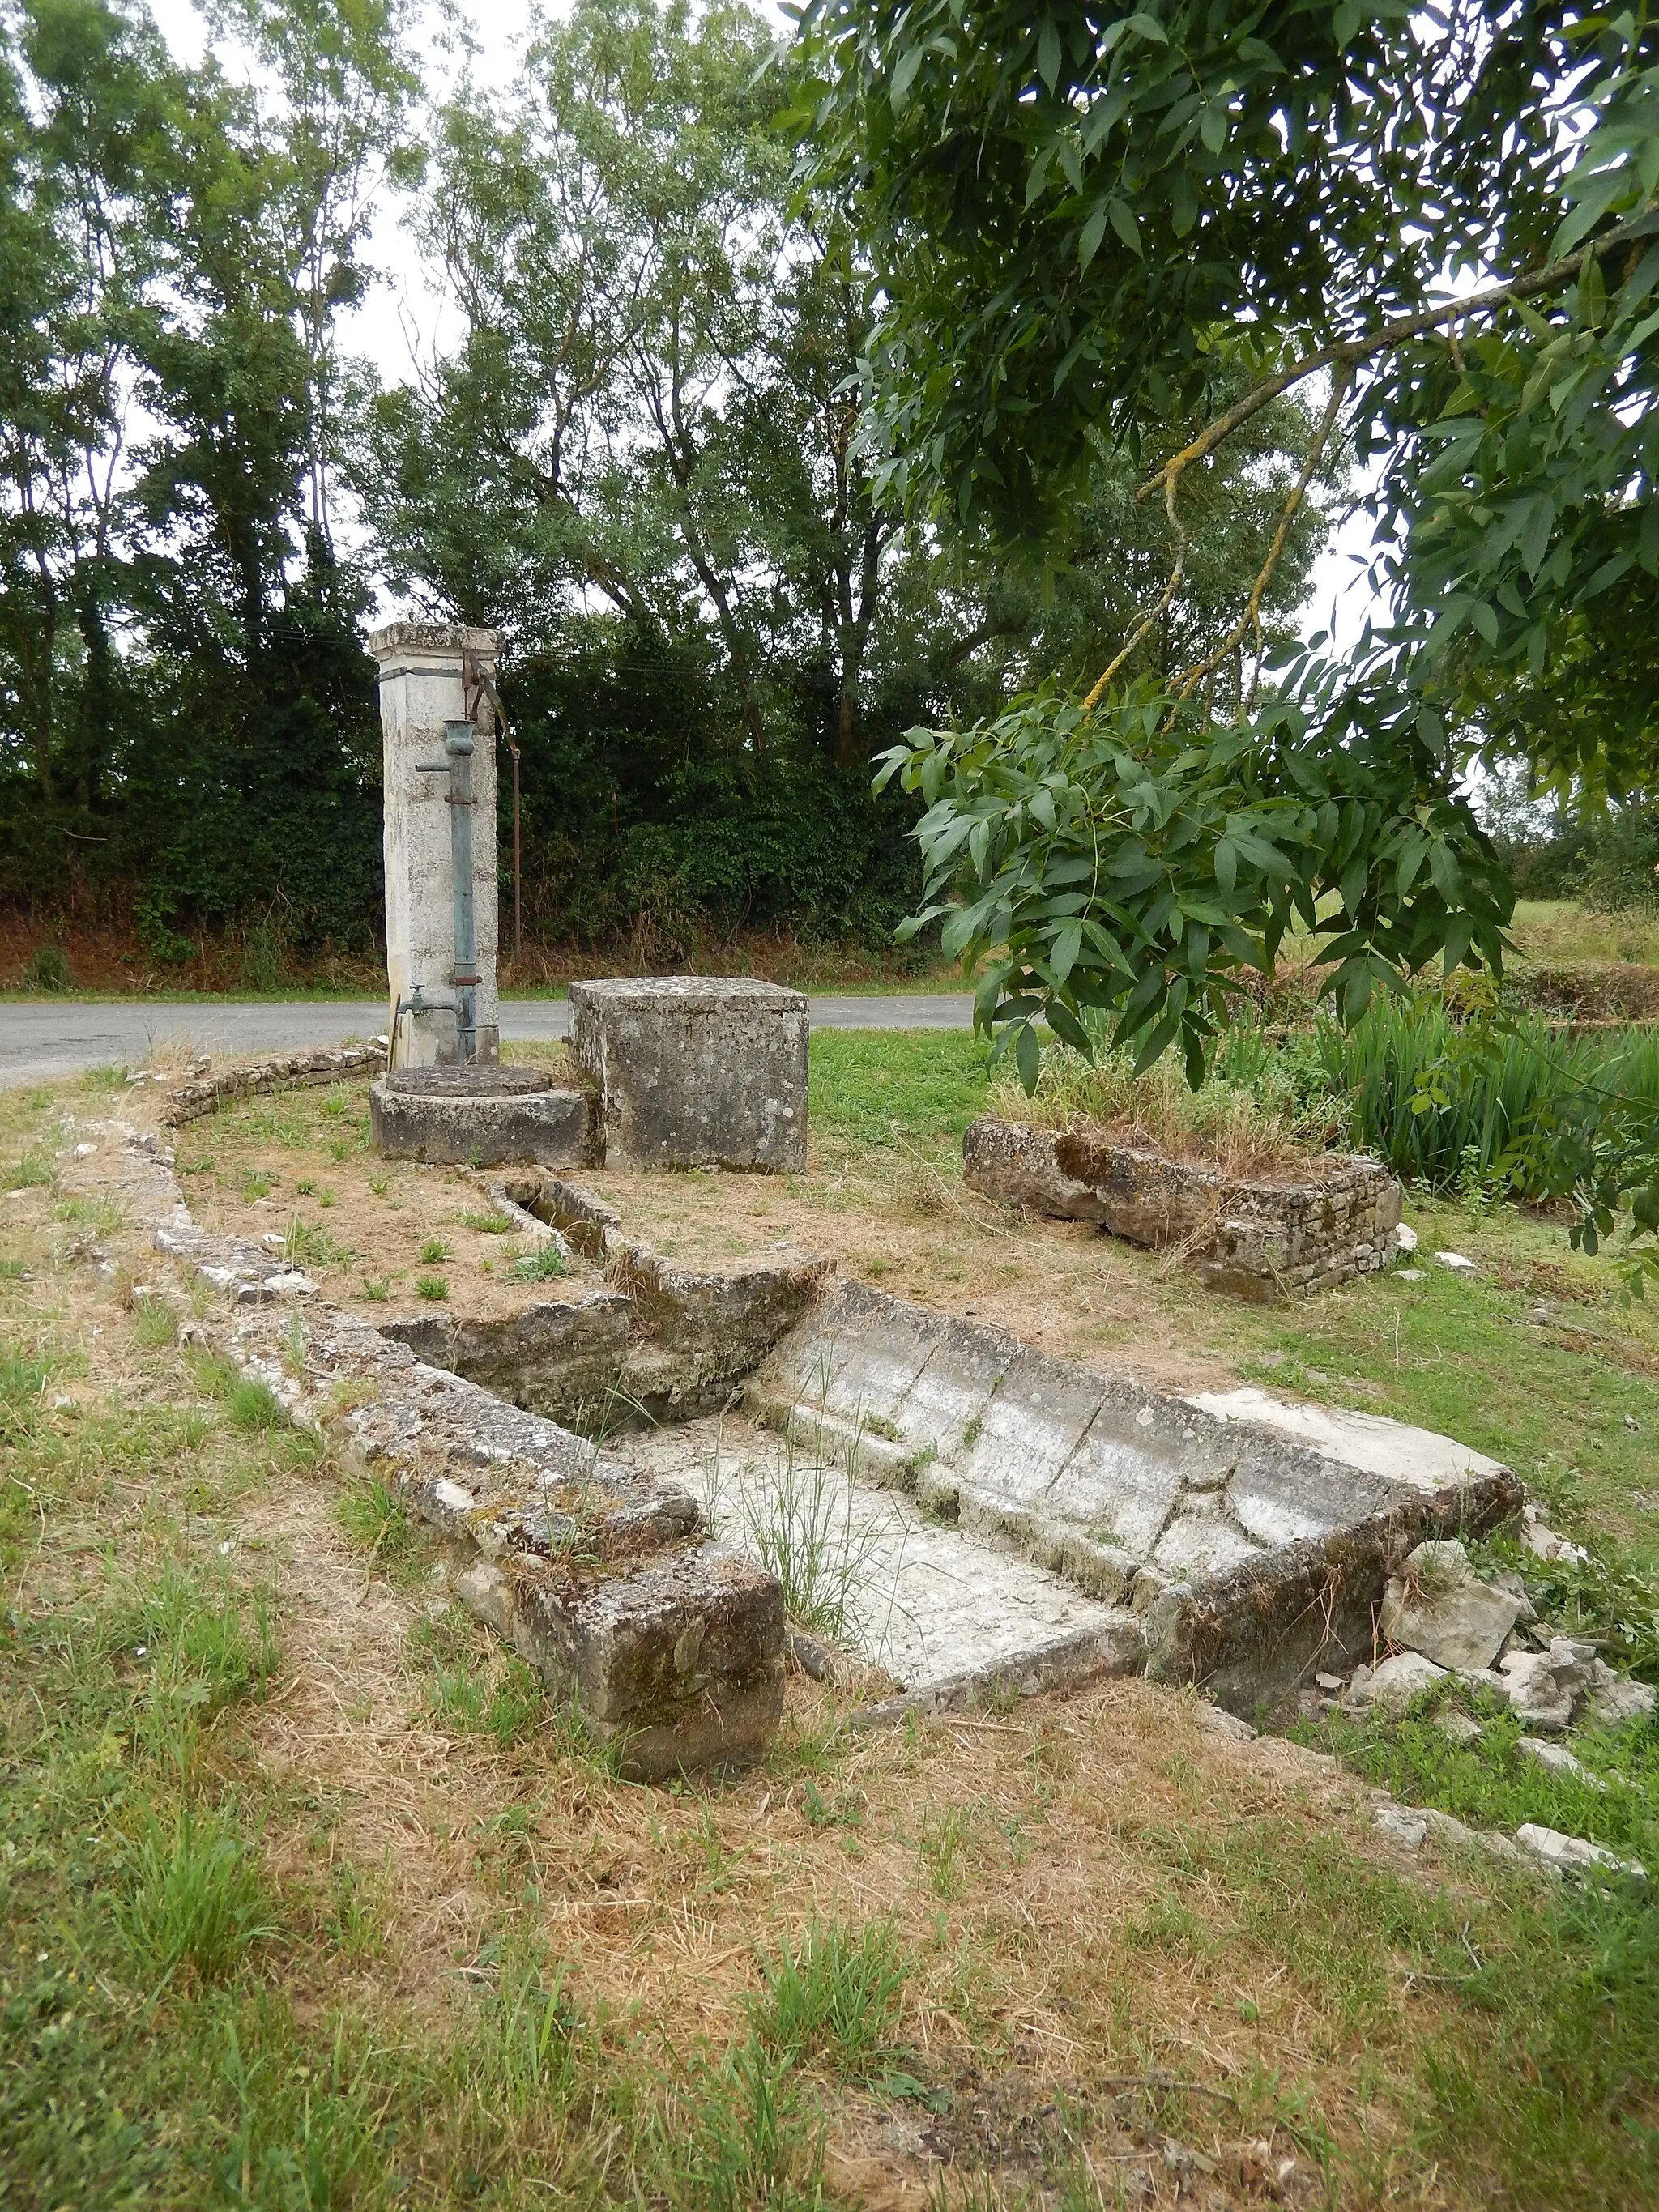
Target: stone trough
(982,1515)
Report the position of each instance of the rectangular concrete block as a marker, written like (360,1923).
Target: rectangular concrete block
(694,1070)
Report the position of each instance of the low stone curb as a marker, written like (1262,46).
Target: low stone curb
(287,1071)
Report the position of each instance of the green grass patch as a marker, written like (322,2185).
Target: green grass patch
(376,1520)
(835,1997)
(891,1087)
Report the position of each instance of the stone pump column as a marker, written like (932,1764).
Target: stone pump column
(421,693)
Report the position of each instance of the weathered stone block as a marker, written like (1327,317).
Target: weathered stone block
(436,1115)
(693,1071)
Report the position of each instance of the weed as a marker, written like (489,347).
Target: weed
(205,1165)
(377,1519)
(835,1996)
(308,1244)
(493,1224)
(14,1270)
(107,1078)
(257,1183)
(433,1252)
(155,1320)
(47,971)
(198,1896)
(336,1103)
(800,1519)
(942,1845)
(305,1187)
(432,1287)
(380,1185)
(544,1265)
(33,1171)
(100,1215)
(845,1811)
(376,1290)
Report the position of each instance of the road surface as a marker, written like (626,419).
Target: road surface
(42,1039)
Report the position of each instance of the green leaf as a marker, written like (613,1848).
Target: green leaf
(1027,1058)
(1048,53)
(1093,231)
(1124,223)
(1068,943)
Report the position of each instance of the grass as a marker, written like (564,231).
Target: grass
(896,1088)
(433,1288)
(197,1896)
(803,1521)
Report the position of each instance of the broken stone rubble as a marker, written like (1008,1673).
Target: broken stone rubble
(1438,1605)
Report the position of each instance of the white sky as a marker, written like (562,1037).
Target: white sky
(405,309)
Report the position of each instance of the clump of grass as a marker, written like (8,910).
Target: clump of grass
(308,1244)
(544,1265)
(198,1897)
(250,1404)
(155,1320)
(34,1171)
(494,1224)
(473,1686)
(433,1288)
(256,1183)
(1266,1108)
(108,1078)
(376,1290)
(101,1215)
(433,1252)
(254,1406)
(801,1522)
(835,1996)
(377,1519)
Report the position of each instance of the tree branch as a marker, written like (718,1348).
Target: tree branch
(1350,352)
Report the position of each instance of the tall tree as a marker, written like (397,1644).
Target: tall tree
(1085,216)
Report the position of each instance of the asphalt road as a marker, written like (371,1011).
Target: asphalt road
(44,1040)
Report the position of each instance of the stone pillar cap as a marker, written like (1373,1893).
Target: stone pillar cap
(441,642)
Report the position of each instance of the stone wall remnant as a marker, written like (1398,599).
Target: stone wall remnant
(1262,1238)
(603,1578)
(694,1070)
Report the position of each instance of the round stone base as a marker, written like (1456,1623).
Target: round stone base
(479,1128)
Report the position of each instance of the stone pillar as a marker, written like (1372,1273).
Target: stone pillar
(420,691)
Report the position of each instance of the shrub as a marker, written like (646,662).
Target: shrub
(48,971)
